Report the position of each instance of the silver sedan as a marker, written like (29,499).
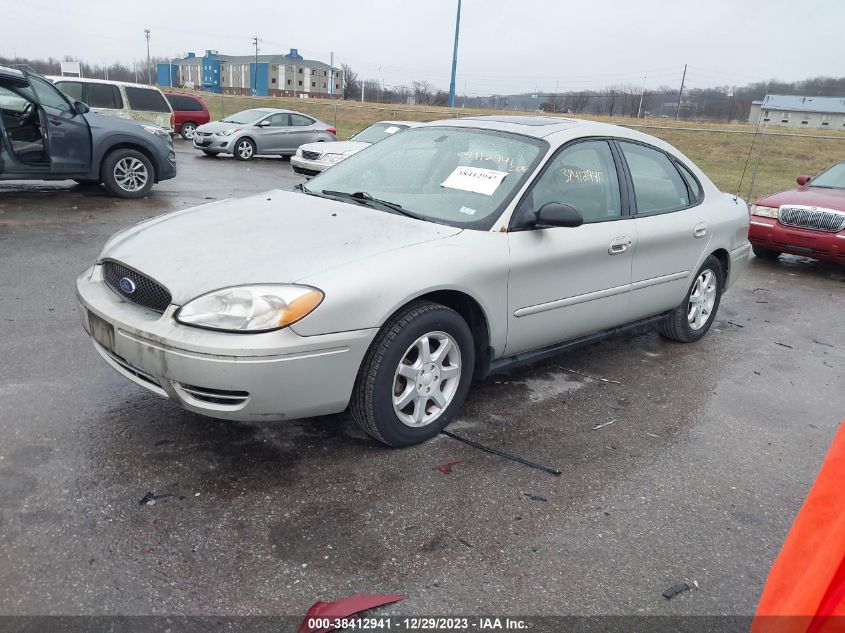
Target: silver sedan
(391,281)
(261,131)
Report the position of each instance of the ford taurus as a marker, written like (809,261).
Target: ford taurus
(389,282)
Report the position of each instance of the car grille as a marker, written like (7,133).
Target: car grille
(310,155)
(146,292)
(813,218)
(202,133)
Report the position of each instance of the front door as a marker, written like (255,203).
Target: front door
(272,137)
(68,138)
(569,282)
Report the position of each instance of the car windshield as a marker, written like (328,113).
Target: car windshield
(458,176)
(377,132)
(832,178)
(247,116)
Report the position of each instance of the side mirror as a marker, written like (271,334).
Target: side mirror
(81,108)
(803,180)
(558,214)
(264,123)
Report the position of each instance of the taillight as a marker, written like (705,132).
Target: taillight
(332,130)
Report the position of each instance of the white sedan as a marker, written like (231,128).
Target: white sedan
(312,158)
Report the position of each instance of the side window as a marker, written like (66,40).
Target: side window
(278,120)
(298,119)
(692,182)
(146,99)
(73,89)
(184,103)
(658,186)
(48,95)
(11,102)
(583,175)
(103,96)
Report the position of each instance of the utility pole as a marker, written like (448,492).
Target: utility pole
(681,93)
(455,57)
(255,74)
(554,100)
(642,94)
(149,71)
(331,75)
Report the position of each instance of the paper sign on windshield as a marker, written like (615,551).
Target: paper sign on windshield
(391,130)
(475,179)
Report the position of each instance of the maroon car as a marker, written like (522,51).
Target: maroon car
(189,111)
(809,220)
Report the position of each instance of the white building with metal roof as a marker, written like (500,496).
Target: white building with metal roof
(799,111)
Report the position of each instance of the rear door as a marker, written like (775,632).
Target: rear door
(148,105)
(68,136)
(303,130)
(673,228)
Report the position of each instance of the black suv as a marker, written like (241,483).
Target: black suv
(43,136)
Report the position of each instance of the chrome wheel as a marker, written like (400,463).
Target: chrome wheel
(131,174)
(426,379)
(244,149)
(189,131)
(702,299)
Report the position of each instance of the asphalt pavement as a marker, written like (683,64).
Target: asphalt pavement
(687,464)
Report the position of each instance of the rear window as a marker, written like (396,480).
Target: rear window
(298,119)
(184,103)
(103,96)
(146,99)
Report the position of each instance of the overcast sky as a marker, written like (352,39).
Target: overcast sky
(505,47)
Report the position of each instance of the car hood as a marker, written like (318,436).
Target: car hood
(274,237)
(220,126)
(338,147)
(809,196)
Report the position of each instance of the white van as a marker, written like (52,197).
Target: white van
(138,102)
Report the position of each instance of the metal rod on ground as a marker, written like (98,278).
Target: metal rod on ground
(455,57)
(681,93)
(756,164)
(493,451)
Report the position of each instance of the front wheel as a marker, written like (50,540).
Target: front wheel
(415,376)
(244,149)
(188,130)
(127,173)
(765,253)
(690,321)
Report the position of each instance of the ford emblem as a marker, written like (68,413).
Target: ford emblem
(127,285)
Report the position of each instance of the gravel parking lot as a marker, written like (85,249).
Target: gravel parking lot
(711,450)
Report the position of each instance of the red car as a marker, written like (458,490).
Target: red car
(189,111)
(809,220)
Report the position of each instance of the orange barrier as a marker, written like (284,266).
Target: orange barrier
(805,590)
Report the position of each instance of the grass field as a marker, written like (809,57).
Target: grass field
(722,155)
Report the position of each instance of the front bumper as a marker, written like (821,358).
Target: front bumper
(214,143)
(270,376)
(771,234)
(307,167)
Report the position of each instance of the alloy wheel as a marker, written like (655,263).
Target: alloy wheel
(244,149)
(426,380)
(702,299)
(130,174)
(189,131)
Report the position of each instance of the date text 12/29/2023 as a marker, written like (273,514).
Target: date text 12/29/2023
(433,624)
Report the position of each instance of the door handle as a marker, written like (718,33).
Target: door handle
(54,122)
(700,230)
(619,245)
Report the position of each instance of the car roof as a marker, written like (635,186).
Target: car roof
(89,80)
(10,73)
(536,126)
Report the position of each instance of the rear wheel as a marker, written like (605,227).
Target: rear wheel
(127,173)
(244,149)
(691,320)
(415,376)
(765,253)
(189,128)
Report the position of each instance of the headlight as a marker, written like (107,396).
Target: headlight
(157,131)
(299,151)
(228,132)
(766,212)
(333,158)
(250,308)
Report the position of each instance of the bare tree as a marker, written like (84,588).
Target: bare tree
(351,87)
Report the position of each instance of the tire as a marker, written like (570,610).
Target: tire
(765,253)
(188,130)
(685,324)
(127,173)
(211,154)
(399,343)
(244,149)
